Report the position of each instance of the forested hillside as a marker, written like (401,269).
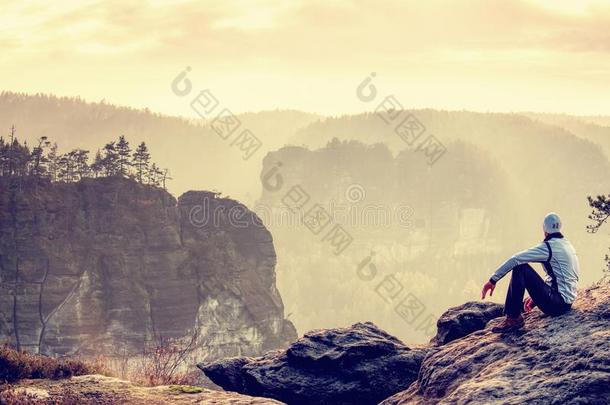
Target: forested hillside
(198,158)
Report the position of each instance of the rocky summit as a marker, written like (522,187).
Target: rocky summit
(553,360)
(103,265)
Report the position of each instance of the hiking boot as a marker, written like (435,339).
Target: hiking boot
(509,325)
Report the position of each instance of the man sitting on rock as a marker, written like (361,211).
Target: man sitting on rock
(554,295)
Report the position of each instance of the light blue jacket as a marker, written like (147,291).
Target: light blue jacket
(560,264)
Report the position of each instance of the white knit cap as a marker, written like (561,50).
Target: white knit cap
(552,223)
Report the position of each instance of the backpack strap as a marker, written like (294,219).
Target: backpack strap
(548,246)
(549,268)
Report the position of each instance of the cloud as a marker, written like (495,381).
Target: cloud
(304,30)
(309,41)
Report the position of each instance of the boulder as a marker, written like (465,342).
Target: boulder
(462,320)
(360,364)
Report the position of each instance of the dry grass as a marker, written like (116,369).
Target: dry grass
(16,365)
(10,397)
(164,363)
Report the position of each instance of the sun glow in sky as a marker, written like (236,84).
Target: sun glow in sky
(484,55)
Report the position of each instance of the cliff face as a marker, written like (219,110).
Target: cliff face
(105,265)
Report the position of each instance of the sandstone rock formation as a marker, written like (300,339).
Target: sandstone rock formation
(105,265)
(562,360)
(357,365)
(462,320)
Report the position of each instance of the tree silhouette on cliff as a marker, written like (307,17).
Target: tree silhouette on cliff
(44,161)
(599,215)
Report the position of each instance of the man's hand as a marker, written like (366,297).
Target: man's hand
(489,286)
(528,304)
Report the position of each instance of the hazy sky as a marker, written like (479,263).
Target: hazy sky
(485,55)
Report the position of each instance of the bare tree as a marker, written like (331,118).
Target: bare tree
(163,360)
(165,177)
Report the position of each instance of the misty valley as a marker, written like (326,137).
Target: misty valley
(334,222)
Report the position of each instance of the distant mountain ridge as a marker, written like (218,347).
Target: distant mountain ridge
(595,129)
(189,148)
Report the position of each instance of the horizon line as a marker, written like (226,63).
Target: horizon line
(104,101)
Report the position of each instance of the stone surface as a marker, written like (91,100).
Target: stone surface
(462,320)
(105,265)
(561,360)
(360,364)
(97,389)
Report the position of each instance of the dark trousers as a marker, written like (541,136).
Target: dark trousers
(547,298)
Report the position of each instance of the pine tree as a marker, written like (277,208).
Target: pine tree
(20,158)
(53,164)
(39,160)
(124,153)
(15,158)
(73,166)
(97,166)
(81,166)
(3,157)
(141,159)
(110,160)
(66,167)
(9,154)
